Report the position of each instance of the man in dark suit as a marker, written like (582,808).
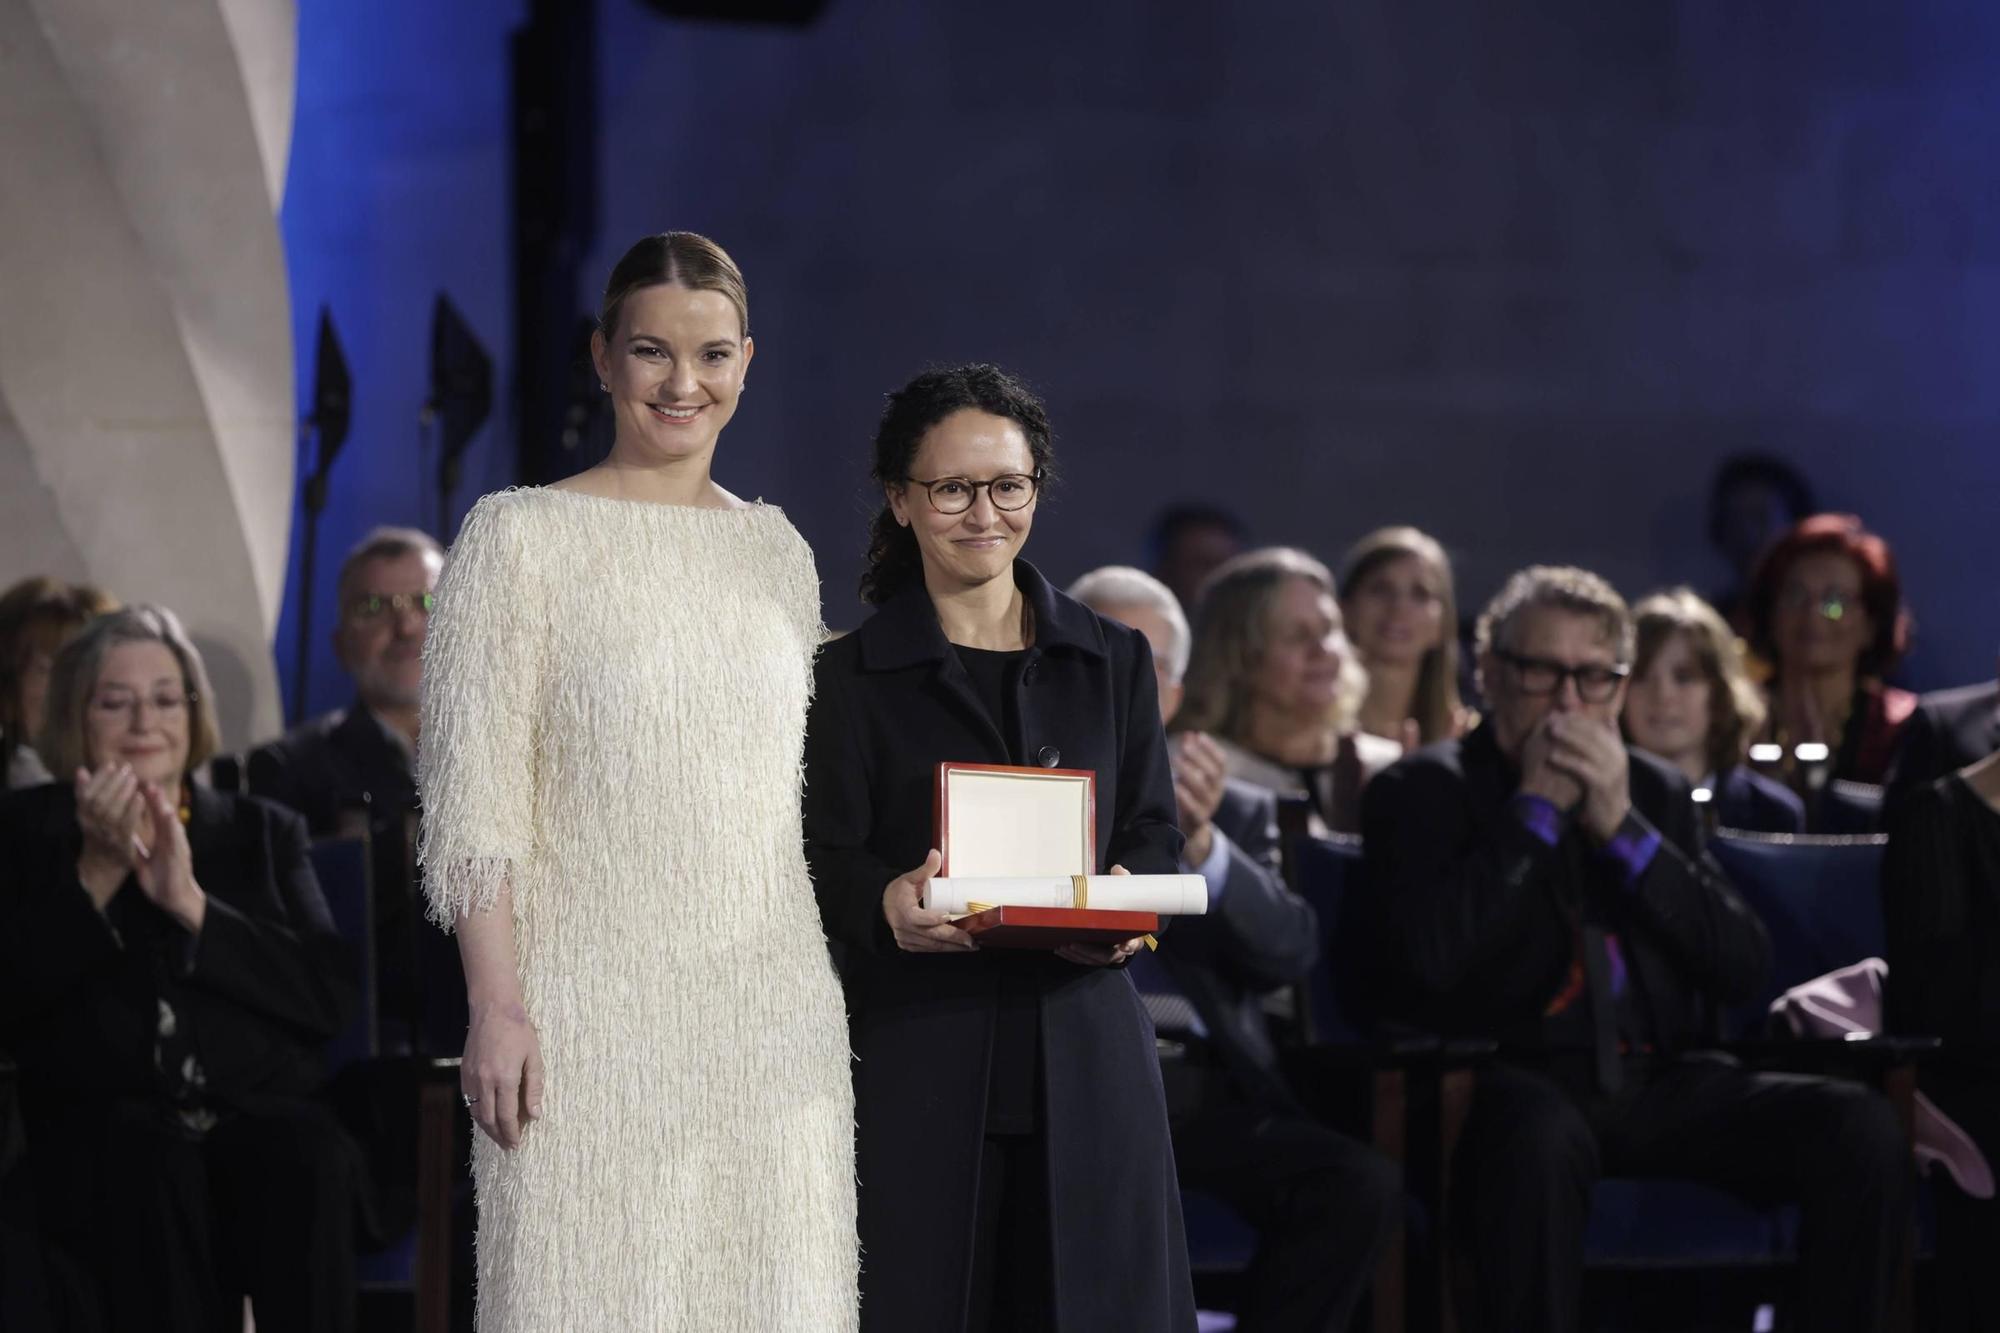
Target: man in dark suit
(1539,884)
(1950,730)
(354,767)
(1323,1205)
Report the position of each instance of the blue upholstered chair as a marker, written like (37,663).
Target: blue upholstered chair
(420,1262)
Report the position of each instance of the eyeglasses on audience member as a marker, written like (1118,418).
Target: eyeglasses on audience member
(164,703)
(375,605)
(1595,683)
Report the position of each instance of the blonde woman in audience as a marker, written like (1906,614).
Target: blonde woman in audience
(37,616)
(1691,703)
(168,976)
(1275,681)
(1402,615)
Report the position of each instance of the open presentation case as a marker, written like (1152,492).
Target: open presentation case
(1019,853)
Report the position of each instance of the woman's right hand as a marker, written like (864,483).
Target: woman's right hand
(500,1075)
(917,930)
(110,804)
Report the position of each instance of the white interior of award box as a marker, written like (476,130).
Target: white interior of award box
(1017,824)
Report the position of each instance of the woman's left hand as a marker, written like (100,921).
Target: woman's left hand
(1103,955)
(165,869)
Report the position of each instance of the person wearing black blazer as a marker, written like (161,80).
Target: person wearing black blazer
(1540,884)
(1323,1205)
(357,764)
(1015,1169)
(1950,730)
(168,976)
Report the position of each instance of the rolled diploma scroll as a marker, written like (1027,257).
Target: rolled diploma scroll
(1167,895)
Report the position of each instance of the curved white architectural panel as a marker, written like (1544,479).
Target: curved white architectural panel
(145,356)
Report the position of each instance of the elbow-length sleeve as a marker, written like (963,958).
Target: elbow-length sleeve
(482,678)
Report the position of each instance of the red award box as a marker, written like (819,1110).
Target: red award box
(999,821)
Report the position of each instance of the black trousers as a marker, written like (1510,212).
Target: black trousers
(1964,1277)
(173,1232)
(1012,1289)
(1532,1150)
(1323,1205)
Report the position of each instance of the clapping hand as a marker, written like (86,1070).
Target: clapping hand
(1201,771)
(164,865)
(109,809)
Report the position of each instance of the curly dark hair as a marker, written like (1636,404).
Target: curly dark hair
(894,562)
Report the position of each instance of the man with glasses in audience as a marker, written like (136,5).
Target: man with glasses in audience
(355,766)
(1540,884)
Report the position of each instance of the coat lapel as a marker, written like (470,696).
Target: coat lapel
(905,633)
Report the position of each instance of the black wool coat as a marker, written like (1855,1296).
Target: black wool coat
(1473,920)
(892,702)
(263,987)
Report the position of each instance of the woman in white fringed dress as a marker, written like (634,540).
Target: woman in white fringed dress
(615,690)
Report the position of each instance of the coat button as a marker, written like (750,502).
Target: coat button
(1028,674)
(1048,756)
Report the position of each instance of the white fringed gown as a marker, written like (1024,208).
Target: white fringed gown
(614,709)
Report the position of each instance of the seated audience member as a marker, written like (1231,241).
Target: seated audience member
(1402,615)
(1273,678)
(1323,1205)
(1691,702)
(355,764)
(1826,613)
(1539,884)
(1948,730)
(37,616)
(1188,542)
(1752,499)
(1941,901)
(168,976)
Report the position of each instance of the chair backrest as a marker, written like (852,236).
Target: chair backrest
(342,865)
(1847,807)
(1173,1013)
(1819,897)
(1326,872)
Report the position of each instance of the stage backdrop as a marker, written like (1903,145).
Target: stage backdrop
(146,414)
(1520,271)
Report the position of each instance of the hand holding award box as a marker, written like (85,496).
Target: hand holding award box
(1018,849)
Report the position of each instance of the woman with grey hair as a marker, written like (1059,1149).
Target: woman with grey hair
(1274,679)
(168,975)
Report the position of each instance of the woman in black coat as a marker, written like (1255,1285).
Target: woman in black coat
(1014,1163)
(168,974)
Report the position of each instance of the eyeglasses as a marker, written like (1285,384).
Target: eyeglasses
(121,703)
(954,495)
(1594,684)
(374,605)
(1831,603)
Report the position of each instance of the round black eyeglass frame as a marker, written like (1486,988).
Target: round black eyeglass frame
(1034,480)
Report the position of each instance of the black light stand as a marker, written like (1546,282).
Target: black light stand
(461,397)
(327,425)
